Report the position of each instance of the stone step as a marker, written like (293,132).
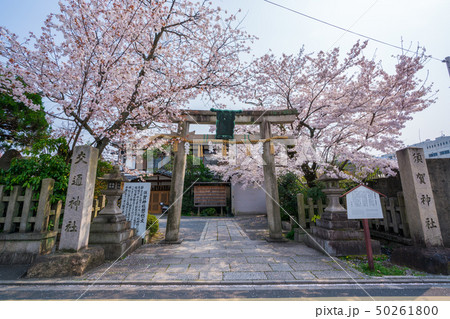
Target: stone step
(338,224)
(111,237)
(334,216)
(110,227)
(119,250)
(331,234)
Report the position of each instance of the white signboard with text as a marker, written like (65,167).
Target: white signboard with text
(134,205)
(363,203)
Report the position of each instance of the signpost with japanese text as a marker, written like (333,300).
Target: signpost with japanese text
(364,203)
(134,205)
(419,199)
(80,195)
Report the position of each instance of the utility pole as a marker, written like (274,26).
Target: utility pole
(447,61)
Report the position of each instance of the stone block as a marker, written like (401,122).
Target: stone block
(342,247)
(341,224)
(434,260)
(110,227)
(286,225)
(439,170)
(64,264)
(332,234)
(279,275)
(119,250)
(23,248)
(299,235)
(111,237)
(334,216)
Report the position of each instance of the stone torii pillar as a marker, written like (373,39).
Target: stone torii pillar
(176,188)
(271,186)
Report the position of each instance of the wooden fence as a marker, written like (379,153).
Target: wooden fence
(394,225)
(22,211)
(29,223)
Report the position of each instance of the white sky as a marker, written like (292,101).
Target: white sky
(416,21)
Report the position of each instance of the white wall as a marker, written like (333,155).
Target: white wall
(248,201)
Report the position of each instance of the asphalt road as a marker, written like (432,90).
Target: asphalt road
(191,292)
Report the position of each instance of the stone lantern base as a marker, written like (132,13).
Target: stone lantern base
(114,234)
(339,236)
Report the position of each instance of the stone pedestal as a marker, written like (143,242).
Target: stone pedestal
(339,236)
(334,233)
(114,234)
(110,229)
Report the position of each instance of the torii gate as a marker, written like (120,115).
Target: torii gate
(264,119)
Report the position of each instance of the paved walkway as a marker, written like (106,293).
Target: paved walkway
(223,253)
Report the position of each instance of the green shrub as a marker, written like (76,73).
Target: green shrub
(152,224)
(29,172)
(289,186)
(209,212)
(290,235)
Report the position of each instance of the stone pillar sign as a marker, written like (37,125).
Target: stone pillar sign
(80,194)
(419,200)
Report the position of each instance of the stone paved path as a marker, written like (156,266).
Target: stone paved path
(223,230)
(223,253)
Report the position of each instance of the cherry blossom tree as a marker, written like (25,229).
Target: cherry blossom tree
(117,67)
(349,108)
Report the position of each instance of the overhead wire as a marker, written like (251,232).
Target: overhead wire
(344,29)
(356,21)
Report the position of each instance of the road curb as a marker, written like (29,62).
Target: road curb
(60,282)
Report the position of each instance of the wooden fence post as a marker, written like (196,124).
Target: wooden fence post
(319,207)
(393,215)
(43,209)
(12,209)
(301,210)
(310,209)
(385,217)
(57,215)
(26,210)
(402,207)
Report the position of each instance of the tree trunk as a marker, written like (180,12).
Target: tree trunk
(101,145)
(310,174)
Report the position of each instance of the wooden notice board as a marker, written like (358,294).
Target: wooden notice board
(210,196)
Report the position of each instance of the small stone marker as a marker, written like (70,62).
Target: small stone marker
(363,203)
(134,205)
(80,195)
(419,199)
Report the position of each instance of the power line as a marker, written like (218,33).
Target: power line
(346,30)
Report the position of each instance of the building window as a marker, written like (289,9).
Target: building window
(433,154)
(444,152)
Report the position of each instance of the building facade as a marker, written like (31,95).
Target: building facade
(437,148)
